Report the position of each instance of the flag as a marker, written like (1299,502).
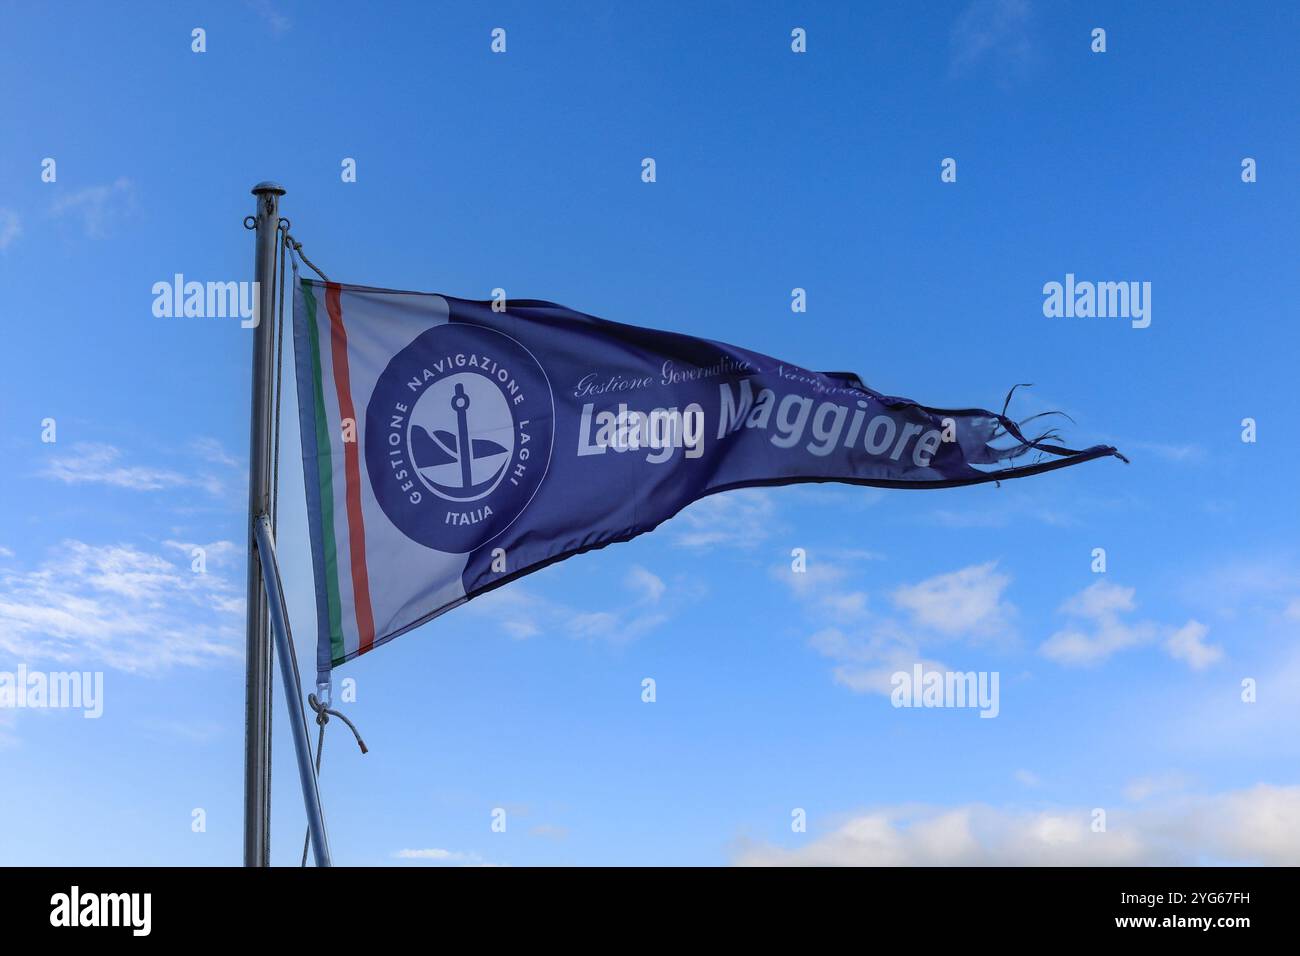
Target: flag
(450,446)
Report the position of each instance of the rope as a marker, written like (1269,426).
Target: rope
(323,718)
(289,243)
(281,227)
(296,246)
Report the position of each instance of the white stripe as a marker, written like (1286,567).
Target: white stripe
(342,533)
(407,580)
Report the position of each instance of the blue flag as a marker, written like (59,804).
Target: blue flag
(450,446)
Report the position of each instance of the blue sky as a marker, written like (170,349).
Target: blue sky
(1120,691)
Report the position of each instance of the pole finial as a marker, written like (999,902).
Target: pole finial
(268,187)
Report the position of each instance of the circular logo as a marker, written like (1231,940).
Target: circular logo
(458,436)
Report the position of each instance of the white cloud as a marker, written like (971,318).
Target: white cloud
(523,614)
(194,732)
(1188,644)
(819,585)
(1257,825)
(551,831)
(212,450)
(514,609)
(11,228)
(437,855)
(962,836)
(95,463)
(1143,788)
(1101,604)
(878,679)
(1076,648)
(968,601)
(650,585)
(971,518)
(1027,777)
(1100,599)
(1103,633)
(996,31)
(870,646)
(742,519)
(98,206)
(1236,584)
(1176,453)
(1260,825)
(120,607)
(1007,509)
(220,551)
(271,14)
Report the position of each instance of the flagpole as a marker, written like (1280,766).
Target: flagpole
(292,690)
(257,679)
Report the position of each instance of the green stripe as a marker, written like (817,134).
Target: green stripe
(325,473)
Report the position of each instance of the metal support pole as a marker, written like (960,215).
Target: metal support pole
(292,692)
(257,683)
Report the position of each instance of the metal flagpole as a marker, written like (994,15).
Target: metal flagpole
(257,682)
(292,691)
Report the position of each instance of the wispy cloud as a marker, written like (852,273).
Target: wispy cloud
(1187,644)
(1006,511)
(11,228)
(1102,630)
(551,831)
(739,519)
(649,585)
(209,449)
(96,463)
(120,607)
(968,601)
(1259,581)
(997,33)
(437,855)
(218,554)
(194,732)
(1186,452)
(270,13)
(1144,788)
(97,207)
(523,614)
(1101,606)
(1259,825)
(869,645)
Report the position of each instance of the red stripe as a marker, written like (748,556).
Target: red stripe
(352,470)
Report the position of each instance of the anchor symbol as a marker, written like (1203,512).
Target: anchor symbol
(434,449)
(460,403)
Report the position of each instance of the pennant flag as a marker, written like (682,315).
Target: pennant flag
(450,446)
